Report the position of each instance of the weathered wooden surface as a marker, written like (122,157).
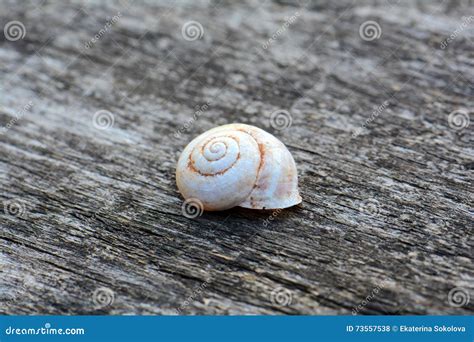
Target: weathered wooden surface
(387,218)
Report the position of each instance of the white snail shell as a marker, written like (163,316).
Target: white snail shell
(238,165)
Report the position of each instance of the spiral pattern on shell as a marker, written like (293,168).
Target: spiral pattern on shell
(14,30)
(370,30)
(216,155)
(215,165)
(192,30)
(237,165)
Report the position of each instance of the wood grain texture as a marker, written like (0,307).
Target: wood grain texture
(92,220)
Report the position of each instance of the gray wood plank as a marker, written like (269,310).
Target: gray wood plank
(92,220)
